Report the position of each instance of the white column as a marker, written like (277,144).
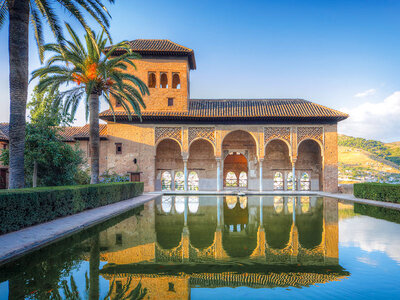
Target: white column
(294,175)
(218,210)
(261,175)
(218,175)
(185,172)
(294,210)
(173,180)
(185,213)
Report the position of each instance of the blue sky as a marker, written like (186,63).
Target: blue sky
(342,54)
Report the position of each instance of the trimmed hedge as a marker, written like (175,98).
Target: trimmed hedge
(377,212)
(26,207)
(378,191)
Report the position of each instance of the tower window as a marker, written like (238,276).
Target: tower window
(118,239)
(118,286)
(176,82)
(170,101)
(152,80)
(118,148)
(117,103)
(164,81)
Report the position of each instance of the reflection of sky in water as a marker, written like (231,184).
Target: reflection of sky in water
(179,204)
(166,204)
(371,235)
(193,203)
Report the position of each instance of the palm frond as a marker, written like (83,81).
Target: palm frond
(52,20)
(97,13)
(3,12)
(37,25)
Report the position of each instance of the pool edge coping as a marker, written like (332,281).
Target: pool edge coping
(21,242)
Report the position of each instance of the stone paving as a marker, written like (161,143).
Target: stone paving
(14,244)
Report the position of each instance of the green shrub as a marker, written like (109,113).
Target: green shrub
(378,191)
(26,207)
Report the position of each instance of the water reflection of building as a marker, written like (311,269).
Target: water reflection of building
(293,239)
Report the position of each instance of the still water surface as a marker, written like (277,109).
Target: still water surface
(209,247)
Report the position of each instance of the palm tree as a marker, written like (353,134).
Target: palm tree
(94,71)
(20,13)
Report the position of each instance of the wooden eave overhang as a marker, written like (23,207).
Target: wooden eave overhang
(158,47)
(233,111)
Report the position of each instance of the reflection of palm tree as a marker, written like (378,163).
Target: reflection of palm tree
(136,293)
(92,282)
(94,264)
(72,293)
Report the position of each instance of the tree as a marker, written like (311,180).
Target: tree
(19,14)
(48,161)
(95,72)
(41,106)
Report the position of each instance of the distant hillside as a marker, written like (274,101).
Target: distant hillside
(368,160)
(390,151)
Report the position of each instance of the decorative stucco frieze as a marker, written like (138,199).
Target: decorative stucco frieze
(271,133)
(314,133)
(168,132)
(207,133)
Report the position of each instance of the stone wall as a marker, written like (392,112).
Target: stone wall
(158,147)
(330,161)
(158,99)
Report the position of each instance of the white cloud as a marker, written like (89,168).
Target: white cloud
(365,93)
(371,235)
(379,120)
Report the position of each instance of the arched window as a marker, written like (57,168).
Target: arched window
(176,82)
(163,81)
(243,202)
(290,181)
(152,80)
(166,204)
(278,204)
(166,181)
(193,181)
(231,201)
(305,204)
(243,179)
(290,203)
(179,204)
(179,181)
(305,184)
(278,181)
(193,204)
(231,179)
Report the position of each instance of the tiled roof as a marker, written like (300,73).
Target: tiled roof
(259,110)
(161,47)
(4,134)
(73,133)
(69,134)
(157,45)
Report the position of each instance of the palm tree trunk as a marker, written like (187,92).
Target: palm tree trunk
(94,138)
(18,59)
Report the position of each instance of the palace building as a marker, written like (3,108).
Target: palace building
(217,144)
(211,144)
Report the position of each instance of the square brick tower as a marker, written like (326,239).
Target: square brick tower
(165,68)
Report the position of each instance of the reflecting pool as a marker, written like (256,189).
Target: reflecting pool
(228,247)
